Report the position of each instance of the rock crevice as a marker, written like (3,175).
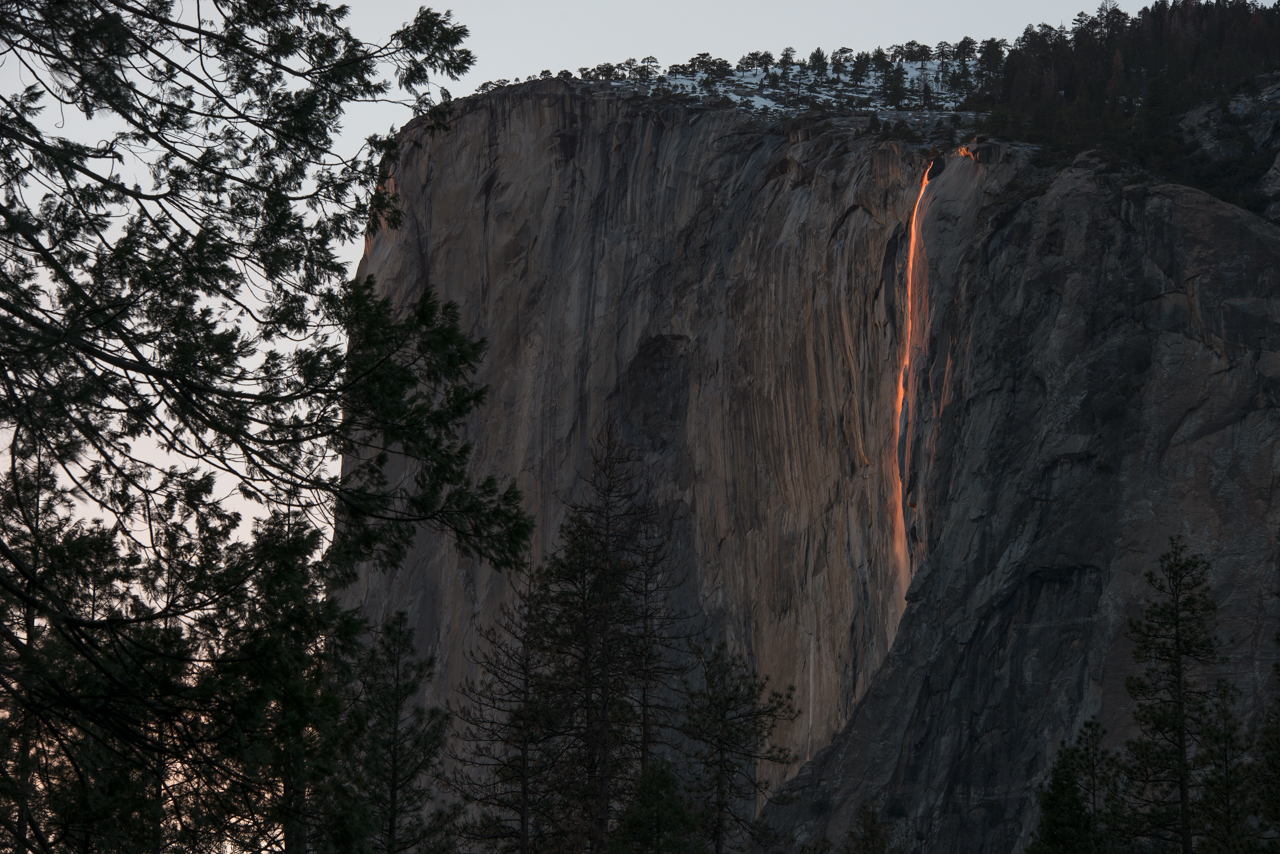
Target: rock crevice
(925,496)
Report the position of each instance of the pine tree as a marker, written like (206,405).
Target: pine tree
(395,757)
(575,699)
(1082,808)
(893,84)
(786,61)
(658,637)
(1100,776)
(860,68)
(1229,807)
(1268,768)
(729,716)
(818,62)
(281,683)
(505,760)
(659,634)
(1064,821)
(1173,638)
(589,619)
(657,821)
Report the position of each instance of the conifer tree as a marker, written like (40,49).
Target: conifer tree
(729,716)
(588,617)
(505,762)
(1099,772)
(661,630)
(1267,769)
(397,745)
(1081,808)
(893,84)
(1172,639)
(786,61)
(1064,821)
(860,68)
(818,62)
(1229,807)
(840,60)
(282,679)
(574,701)
(1190,781)
(657,821)
(1268,765)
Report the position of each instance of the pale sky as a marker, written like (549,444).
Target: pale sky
(521,37)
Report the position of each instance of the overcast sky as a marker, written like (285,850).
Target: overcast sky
(521,37)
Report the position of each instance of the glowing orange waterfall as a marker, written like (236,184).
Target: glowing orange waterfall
(902,555)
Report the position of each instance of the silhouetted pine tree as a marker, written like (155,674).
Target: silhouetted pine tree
(398,742)
(1064,821)
(591,623)
(1081,809)
(818,62)
(505,763)
(728,719)
(893,84)
(1268,767)
(657,821)
(1173,638)
(576,694)
(1229,806)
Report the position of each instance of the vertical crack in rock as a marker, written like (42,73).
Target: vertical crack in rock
(923,496)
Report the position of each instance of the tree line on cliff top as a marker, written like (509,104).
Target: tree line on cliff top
(1062,85)
(1108,80)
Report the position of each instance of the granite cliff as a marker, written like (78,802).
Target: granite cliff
(917,439)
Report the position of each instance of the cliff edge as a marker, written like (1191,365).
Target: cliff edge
(917,439)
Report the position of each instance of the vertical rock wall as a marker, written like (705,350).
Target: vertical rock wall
(1088,368)
(730,297)
(1097,373)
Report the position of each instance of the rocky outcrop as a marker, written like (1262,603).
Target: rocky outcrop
(1242,136)
(916,442)
(1098,376)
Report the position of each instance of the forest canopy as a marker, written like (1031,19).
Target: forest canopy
(1123,83)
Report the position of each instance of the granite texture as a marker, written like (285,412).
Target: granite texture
(913,466)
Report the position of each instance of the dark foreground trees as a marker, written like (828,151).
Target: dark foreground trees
(394,758)
(577,735)
(1193,779)
(729,716)
(175,329)
(1173,640)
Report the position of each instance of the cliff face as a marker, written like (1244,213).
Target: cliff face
(914,466)
(1099,373)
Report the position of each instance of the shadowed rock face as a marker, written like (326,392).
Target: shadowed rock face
(914,468)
